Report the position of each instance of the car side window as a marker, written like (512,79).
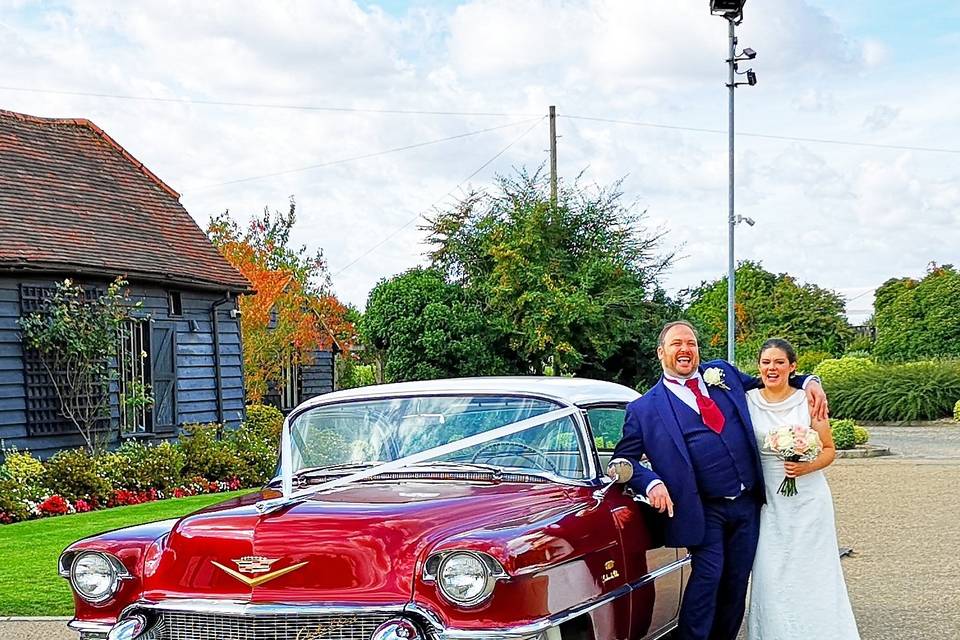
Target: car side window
(606,424)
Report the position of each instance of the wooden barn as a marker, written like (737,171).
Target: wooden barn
(74,203)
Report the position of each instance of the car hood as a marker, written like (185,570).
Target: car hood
(362,543)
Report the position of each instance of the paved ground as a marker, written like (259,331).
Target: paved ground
(901,515)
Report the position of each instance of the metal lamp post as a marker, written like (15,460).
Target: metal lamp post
(732,12)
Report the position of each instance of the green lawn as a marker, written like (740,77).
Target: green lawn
(29,584)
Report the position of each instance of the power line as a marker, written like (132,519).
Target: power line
(262,105)
(438,200)
(849,143)
(365,155)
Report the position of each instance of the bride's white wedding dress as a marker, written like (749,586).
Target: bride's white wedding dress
(797,591)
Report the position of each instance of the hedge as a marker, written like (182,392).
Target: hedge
(894,392)
(198,462)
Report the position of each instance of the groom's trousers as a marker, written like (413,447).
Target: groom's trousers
(715,597)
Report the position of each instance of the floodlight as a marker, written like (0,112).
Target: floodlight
(727,8)
(751,77)
(749,53)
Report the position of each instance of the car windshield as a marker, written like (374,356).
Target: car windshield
(377,431)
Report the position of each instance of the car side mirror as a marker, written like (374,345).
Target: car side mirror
(620,471)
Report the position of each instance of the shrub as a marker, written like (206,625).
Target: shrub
(860,435)
(861,345)
(73,474)
(13,507)
(956,411)
(22,467)
(806,362)
(265,421)
(844,436)
(205,456)
(257,453)
(897,392)
(140,467)
(837,369)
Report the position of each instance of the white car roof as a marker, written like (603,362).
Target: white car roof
(575,391)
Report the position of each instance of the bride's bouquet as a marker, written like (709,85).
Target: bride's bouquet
(793,444)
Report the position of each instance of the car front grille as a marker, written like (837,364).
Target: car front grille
(179,625)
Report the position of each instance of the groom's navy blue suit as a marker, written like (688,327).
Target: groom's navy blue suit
(716,485)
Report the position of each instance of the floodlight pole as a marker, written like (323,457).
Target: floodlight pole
(731,222)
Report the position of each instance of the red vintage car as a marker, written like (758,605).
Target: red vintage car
(449,509)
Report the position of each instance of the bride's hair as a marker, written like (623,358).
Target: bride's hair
(783,345)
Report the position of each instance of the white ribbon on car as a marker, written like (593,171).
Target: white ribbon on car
(286,458)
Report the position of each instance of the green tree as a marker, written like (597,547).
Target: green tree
(918,319)
(768,305)
(573,285)
(425,328)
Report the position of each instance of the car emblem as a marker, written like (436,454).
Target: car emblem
(256,565)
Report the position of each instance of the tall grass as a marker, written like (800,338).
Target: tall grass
(896,392)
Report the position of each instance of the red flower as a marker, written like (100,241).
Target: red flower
(82,506)
(55,505)
(213,487)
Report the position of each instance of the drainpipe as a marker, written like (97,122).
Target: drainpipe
(218,372)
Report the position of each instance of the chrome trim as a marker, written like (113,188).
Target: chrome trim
(244,608)
(83,626)
(120,574)
(664,631)
(494,571)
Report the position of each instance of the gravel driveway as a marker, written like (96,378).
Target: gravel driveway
(900,514)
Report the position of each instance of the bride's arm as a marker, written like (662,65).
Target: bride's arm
(827,455)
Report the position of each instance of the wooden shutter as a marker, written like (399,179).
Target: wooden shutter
(164,357)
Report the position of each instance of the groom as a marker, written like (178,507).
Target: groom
(694,428)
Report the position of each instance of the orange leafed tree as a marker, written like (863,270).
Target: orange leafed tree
(292,313)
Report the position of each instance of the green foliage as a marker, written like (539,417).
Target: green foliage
(352,374)
(257,455)
(22,467)
(76,336)
(918,319)
(844,433)
(73,474)
(808,360)
(205,455)
(768,305)
(860,435)
(426,328)
(13,501)
(897,392)
(572,286)
(264,421)
(956,411)
(861,345)
(137,466)
(839,369)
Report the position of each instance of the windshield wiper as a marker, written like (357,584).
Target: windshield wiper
(334,468)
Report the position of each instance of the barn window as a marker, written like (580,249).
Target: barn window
(134,379)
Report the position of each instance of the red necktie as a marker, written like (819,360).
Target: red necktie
(709,411)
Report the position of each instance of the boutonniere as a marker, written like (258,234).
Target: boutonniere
(714,378)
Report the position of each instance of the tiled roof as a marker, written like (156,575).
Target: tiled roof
(72,199)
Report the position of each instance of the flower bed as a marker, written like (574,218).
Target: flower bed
(201,461)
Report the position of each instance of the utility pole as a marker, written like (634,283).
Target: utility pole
(553,156)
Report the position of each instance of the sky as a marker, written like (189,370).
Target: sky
(371,113)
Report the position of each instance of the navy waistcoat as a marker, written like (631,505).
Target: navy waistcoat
(724,462)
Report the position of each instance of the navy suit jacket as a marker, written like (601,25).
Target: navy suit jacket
(651,428)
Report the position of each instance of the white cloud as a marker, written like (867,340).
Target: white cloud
(838,216)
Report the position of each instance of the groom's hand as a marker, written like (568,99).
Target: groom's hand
(817,399)
(660,500)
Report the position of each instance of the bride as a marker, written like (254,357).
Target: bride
(797,591)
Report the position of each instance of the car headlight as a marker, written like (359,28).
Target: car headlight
(464,578)
(94,576)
